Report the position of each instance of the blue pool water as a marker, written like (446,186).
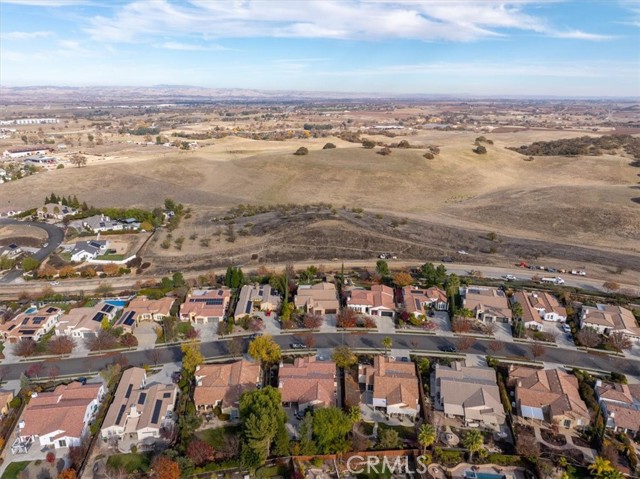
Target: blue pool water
(118,303)
(482,475)
(31,310)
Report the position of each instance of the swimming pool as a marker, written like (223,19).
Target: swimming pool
(483,475)
(118,303)
(31,310)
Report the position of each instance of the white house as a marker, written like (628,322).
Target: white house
(85,250)
(609,318)
(538,307)
(59,418)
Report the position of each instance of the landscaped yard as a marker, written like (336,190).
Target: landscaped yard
(129,462)
(111,257)
(216,438)
(405,432)
(14,469)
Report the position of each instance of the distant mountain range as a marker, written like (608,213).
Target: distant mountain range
(159,94)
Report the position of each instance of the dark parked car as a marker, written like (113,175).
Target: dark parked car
(176,376)
(448,349)
(447,259)
(82,380)
(254,335)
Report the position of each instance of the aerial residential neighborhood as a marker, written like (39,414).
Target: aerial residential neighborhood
(354,239)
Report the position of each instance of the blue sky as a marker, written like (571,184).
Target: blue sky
(476,47)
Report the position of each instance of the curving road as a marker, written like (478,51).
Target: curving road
(213,349)
(56,235)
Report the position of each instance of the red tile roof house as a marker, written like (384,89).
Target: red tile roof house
(85,322)
(549,395)
(144,309)
(321,298)
(538,307)
(31,325)
(416,300)
(377,302)
(394,386)
(620,405)
(487,304)
(59,418)
(223,384)
(308,383)
(468,393)
(609,318)
(204,306)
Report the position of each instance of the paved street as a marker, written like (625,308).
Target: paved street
(211,349)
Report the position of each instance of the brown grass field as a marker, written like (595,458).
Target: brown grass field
(585,201)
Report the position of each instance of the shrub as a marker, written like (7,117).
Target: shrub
(301,151)
(328,146)
(480,150)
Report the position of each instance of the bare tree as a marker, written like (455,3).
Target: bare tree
(154,355)
(465,343)
(105,339)
(619,341)
(611,286)
(495,347)
(537,350)
(26,347)
(236,347)
(61,345)
(589,337)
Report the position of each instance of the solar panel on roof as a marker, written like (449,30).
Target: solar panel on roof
(248,308)
(27,332)
(129,318)
(37,320)
(142,398)
(129,389)
(51,310)
(107,308)
(25,320)
(156,411)
(120,413)
(418,303)
(98,317)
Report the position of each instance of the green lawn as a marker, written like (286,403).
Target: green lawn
(14,469)
(111,257)
(129,462)
(272,471)
(216,437)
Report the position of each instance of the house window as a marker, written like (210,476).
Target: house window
(567,423)
(62,443)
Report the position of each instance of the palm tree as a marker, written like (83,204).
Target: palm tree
(517,310)
(426,436)
(355,415)
(387,342)
(474,442)
(603,469)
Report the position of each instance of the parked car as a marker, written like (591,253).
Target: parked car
(254,335)
(447,259)
(54,283)
(566,328)
(298,346)
(448,348)
(510,277)
(461,251)
(176,376)
(82,380)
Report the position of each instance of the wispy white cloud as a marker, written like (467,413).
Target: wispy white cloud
(426,20)
(48,3)
(25,35)
(191,47)
(580,35)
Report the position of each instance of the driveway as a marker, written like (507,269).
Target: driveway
(555,329)
(146,335)
(503,332)
(442,322)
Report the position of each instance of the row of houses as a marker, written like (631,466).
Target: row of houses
(83,322)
